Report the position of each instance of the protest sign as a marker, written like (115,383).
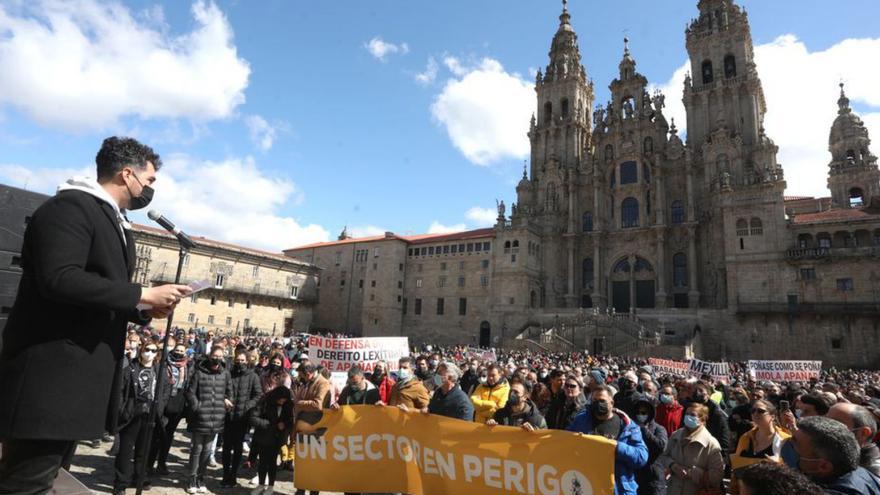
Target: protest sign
(785,371)
(338,355)
(427,455)
(484,355)
(718,371)
(669,367)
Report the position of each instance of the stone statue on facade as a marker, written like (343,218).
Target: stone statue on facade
(659,101)
(501,208)
(628,108)
(725,180)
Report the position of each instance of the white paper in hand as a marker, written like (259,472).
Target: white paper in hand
(196,286)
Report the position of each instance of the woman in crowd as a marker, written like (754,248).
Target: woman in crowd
(272,420)
(764,440)
(179,374)
(567,405)
(693,456)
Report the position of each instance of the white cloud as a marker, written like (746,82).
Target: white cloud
(481,217)
(485,111)
(430,73)
(380,48)
(84,64)
(365,231)
(262,133)
(801,91)
(231,200)
(673,90)
(438,228)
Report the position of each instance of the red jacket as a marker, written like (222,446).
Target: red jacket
(385,387)
(669,416)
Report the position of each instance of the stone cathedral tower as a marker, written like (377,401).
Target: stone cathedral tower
(853,177)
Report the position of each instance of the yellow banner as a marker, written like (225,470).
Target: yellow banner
(383,449)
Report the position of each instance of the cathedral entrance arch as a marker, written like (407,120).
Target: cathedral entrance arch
(632,282)
(485,335)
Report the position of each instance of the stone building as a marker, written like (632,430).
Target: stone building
(251,289)
(623,237)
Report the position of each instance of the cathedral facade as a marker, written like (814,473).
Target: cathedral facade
(617,215)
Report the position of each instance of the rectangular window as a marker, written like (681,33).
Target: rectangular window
(513,258)
(213,300)
(512,301)
(439,305)
(443,267)
(461,281)
(247,322)
(400,267)
(409,252)
(248,303)
(441,282)
(837,343)
(294,292)
(485,264)
(462,306)
(808,274)
(418,308)
(484,280)
(218,282)
(210,319)
(470,247)
(445,249)
(228,321)
(194,298)
(191,318)
(186,261)
(231,302)
(399,298)
(418,283)
(431,251)
(338,258)
(461,248)
(255,272)
(424,251)
(845,284)
(487,246)
(461,265)
(372,297)
(372,283)
(454,248)
(361,284)
(400,284)
(825,242)
(375,252)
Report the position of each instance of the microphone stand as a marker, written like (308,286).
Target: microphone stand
(161,382)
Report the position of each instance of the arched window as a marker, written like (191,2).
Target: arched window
(648,145)
(648,205)
(824,239)
(677,212)
(622,266)
(587,274)
(564,107)
(548,112)
(629,173)
(856,197)
(642,265)
(609,153)
(742,227)
(515,244)
(588,222)
(679,270)
(708,75)
(629,213)
(755,226)
(729,66)
(550,197)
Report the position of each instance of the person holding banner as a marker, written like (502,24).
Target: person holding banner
(408,391)
(492,396)
(449,399)
(604,420)
(693,456)
(519,411)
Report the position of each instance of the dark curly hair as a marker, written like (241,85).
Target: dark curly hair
(770,478)
(117,153)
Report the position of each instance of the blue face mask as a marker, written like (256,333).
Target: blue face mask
(641,418)
(404,375)
(666,398)
(691,422)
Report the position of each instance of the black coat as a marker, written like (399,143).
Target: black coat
(532,415)
(265,418)
(561,413)
(455,404)
(717,426)
(135,397)
(651,478)
(60,366)
(246,391)
(205,398)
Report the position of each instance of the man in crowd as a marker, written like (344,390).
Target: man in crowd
(449,400)
(492,396)
(629,395)
(829,455)
(60,367)
(669,411)
(358,390)
(862,424)
(311,395)
(717,423)
(651,478)
(408,390)
(520,410)
(246,392)
(603,420)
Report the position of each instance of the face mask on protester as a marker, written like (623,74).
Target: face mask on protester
(732,403)
(691,422)
(438,381)
(543,375)
(514,399)
(483,379)
(798,413)
(178,356)
(148,355)
(599,409)
(239,367)
(666,399)
(404,375)
(641,418)
(215,361)
(434,363)
(142,201)
(699,398)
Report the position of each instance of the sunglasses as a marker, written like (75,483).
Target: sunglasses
(151,349)
(571,385)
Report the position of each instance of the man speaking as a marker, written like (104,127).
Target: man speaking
(60,361)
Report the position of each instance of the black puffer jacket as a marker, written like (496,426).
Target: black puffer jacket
(205,397)
(246,391)
(505,416)
(561,412)
(651,478)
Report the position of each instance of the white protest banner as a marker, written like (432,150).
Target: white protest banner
(718,371)
(669,367)
(484,355)
(785,371)
(338,355)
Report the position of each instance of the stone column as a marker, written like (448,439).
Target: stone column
(598,275)
(661,269)
(691,214)
(693,291)
(660,200)
(571,297)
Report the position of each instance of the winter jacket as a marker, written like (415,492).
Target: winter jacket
(205,398)
(310,399)
(454,404)
(265,418)
(506,417)
(717,426)
(870,458)
(385,385)
(700,454)
(368,396)
(651,478)
(246,391)
(410,393)
(561,413)
(858,482)
(135,400)
(631,453)
(626,400)
(669,416)
(488,399)
(740,421)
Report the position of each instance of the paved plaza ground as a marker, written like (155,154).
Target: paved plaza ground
(94,468)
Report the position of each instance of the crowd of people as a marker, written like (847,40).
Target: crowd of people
(247,397)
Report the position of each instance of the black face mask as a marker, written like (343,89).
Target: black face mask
(699,398)
(514,399)
(142,201)
(239,367)
(599,409)
(214,361)
(177,356)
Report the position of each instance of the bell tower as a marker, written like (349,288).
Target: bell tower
(853,177)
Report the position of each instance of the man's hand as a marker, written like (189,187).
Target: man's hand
(164,296)
(228,403)
(334,406)
(424,410)
(491,422)
(403,407)
(789,421)
(380,403)
(528,427)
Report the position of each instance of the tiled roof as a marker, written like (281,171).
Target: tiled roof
(201,241)
(836,215)
(410,239)
(797,198)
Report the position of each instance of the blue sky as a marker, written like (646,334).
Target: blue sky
(282,121)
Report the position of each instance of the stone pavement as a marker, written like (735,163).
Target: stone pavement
(94,468)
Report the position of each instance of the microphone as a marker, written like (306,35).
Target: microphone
(184,239)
